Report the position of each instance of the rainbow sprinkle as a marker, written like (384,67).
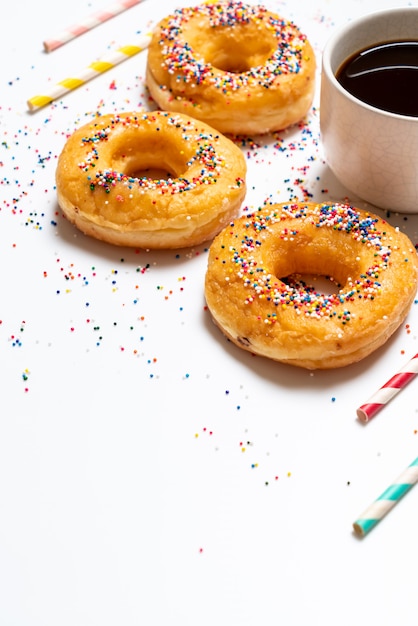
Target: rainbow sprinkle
(305,300)
(181,61)
(205,156)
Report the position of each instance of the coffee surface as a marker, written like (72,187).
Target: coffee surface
(384,76)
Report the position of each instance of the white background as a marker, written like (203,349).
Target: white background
(150,472)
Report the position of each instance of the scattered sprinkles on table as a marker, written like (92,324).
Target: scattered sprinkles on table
(22,182)
(114,377)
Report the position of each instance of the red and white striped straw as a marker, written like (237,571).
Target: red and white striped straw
(87,24)
(388,391)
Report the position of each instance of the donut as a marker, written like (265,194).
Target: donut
(260,283)
(240,68)
(150,180)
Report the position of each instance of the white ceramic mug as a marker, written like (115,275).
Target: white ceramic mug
(373,153)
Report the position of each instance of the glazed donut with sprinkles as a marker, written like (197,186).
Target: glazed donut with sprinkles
(237,67)
(260,283)
(151,180)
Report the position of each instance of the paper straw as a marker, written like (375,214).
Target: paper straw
(387,500)
(389,390)
(94,69)
(87,24)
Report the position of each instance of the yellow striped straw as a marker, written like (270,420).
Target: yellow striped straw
(96,68)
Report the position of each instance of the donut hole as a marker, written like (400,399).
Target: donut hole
(323,280)
(324,285)
(316,264)
(155,173)
(235,51)
(156,166)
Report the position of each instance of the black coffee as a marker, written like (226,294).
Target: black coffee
(384,76)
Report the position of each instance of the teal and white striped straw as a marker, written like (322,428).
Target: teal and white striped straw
(374,513)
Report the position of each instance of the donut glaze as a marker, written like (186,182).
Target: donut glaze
(151,180)
(238,67)
(258,295)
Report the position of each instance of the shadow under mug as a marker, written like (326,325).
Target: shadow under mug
(373,153)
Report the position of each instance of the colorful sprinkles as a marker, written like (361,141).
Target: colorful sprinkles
(304,299)
(181,61)
(205,156)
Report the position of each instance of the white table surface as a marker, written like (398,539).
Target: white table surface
(150,472)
